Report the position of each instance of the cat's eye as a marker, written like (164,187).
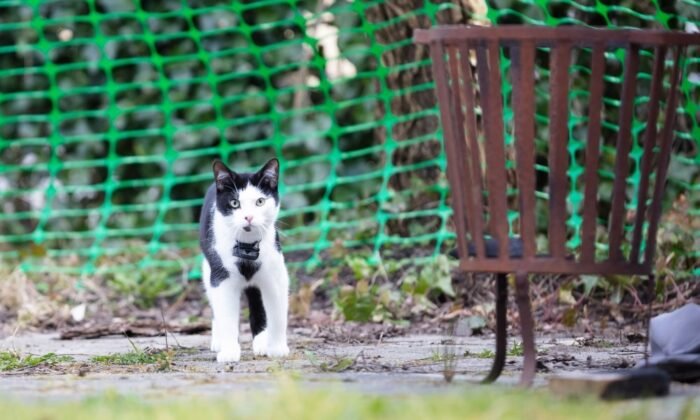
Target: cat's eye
(235,204)
(260,202)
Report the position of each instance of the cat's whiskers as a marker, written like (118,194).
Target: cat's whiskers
(279,231)
(236,231)
(264,230)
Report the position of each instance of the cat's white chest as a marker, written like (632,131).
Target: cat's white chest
(224,242)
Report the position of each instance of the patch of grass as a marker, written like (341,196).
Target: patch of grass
(516,350)
(600,343)
(163,358)
(604,344)
(14,360)
(292,401)
(485,354)
(437,356)
(185,350)
(336,364)
(144,288)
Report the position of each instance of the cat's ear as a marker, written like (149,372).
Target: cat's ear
(270,173)
(222,174)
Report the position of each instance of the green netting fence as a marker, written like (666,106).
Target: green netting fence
(112,111)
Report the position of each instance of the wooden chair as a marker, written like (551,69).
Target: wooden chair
(479,161)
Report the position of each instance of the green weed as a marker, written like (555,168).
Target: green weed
(143,287)
(13,360)
(516,350)
(485,354)
(437,356)
(433,278)
(357,303)
(368,300)
(336,364)
(163,359)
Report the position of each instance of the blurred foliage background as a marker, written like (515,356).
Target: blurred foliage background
(112,111)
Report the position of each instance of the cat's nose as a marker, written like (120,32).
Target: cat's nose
(248,219)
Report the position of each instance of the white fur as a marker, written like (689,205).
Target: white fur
(271,278)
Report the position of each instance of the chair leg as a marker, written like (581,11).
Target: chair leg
(501,328)
(527,328)
(652,293)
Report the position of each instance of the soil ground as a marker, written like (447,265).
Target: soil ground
(399,364)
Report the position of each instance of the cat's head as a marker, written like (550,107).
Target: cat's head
(248,201)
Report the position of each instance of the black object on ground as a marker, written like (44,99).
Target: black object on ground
(634,383)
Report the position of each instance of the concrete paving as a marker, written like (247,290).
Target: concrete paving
(406,364)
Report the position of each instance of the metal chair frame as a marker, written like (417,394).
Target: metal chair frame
(477,169)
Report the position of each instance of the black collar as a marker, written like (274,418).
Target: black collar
(247,251)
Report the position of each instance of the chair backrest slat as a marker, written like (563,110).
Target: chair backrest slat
(663,158)
(590,199)
(622,152)
(523,69)
(459,152)
(492,105)
(473,156)
(558,142)
(648,150)
(451,129)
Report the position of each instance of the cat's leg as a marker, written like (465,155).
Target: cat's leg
(225,302)
(258,320)
(215,343)
(206,279)
(260,344)
(275,297)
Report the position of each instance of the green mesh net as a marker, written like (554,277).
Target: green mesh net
(112,111)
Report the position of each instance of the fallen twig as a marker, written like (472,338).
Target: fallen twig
(134,329)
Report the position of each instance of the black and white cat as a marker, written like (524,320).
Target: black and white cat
(242,253)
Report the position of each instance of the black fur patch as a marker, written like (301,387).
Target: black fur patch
(262,181)
(278,244)
(218,272)
(230,192)
(247,268)
(258,320)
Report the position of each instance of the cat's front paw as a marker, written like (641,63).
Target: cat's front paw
(260,343)
(277,350)
(229,355)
